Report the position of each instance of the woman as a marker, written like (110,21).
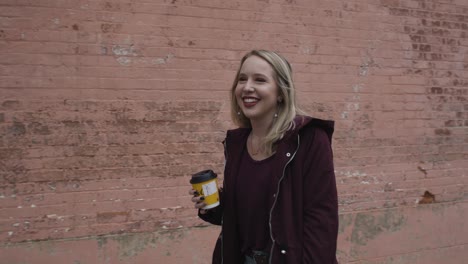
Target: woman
(279,199)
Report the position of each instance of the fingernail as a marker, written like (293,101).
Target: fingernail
(196,193)
(202,198)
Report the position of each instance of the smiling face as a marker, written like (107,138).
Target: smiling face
(256,91)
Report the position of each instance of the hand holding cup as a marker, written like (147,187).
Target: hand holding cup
(205,190)
(198,200)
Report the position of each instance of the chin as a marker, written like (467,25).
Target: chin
(249,113)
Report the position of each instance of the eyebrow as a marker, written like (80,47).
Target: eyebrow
(255,74)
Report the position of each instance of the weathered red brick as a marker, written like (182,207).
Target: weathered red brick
(108,107)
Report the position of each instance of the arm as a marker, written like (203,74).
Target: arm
(320,202)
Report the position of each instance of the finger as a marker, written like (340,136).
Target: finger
(194,192)
(200,205)
(198,199)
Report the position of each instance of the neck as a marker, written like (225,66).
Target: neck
(260,127)
(255,141)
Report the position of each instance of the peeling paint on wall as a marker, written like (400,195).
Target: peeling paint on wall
(368,226)
(163,60)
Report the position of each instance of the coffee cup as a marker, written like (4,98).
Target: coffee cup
(204,182)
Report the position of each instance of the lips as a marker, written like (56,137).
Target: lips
(250,101)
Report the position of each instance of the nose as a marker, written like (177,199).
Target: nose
(249,86)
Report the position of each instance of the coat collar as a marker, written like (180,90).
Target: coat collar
(239,135)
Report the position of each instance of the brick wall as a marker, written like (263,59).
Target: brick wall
(107,107)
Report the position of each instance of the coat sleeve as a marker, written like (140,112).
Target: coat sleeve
(320,202)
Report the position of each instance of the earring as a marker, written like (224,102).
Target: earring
(238,113)
(276,115)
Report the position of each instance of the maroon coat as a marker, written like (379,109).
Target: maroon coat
(303,209)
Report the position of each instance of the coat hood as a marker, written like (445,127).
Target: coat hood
(301,122)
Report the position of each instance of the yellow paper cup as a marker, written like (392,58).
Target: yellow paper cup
(204,182)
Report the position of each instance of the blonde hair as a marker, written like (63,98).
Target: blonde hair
(287,108)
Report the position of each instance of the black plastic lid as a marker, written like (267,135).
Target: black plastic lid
(203,176)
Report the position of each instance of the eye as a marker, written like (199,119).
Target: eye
(242,79)
(260,80)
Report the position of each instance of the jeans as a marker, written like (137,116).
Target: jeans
(250,260)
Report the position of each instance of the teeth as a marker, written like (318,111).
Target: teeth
(250,100)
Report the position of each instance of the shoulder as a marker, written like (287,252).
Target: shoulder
(235,137)
(315,137)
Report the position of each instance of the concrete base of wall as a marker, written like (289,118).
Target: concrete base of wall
(176,246)
(426,234)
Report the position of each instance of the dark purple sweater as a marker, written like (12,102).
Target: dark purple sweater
(252,199)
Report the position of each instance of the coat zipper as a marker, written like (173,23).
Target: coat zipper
(276,199)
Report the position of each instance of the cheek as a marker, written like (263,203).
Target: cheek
(238,92)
